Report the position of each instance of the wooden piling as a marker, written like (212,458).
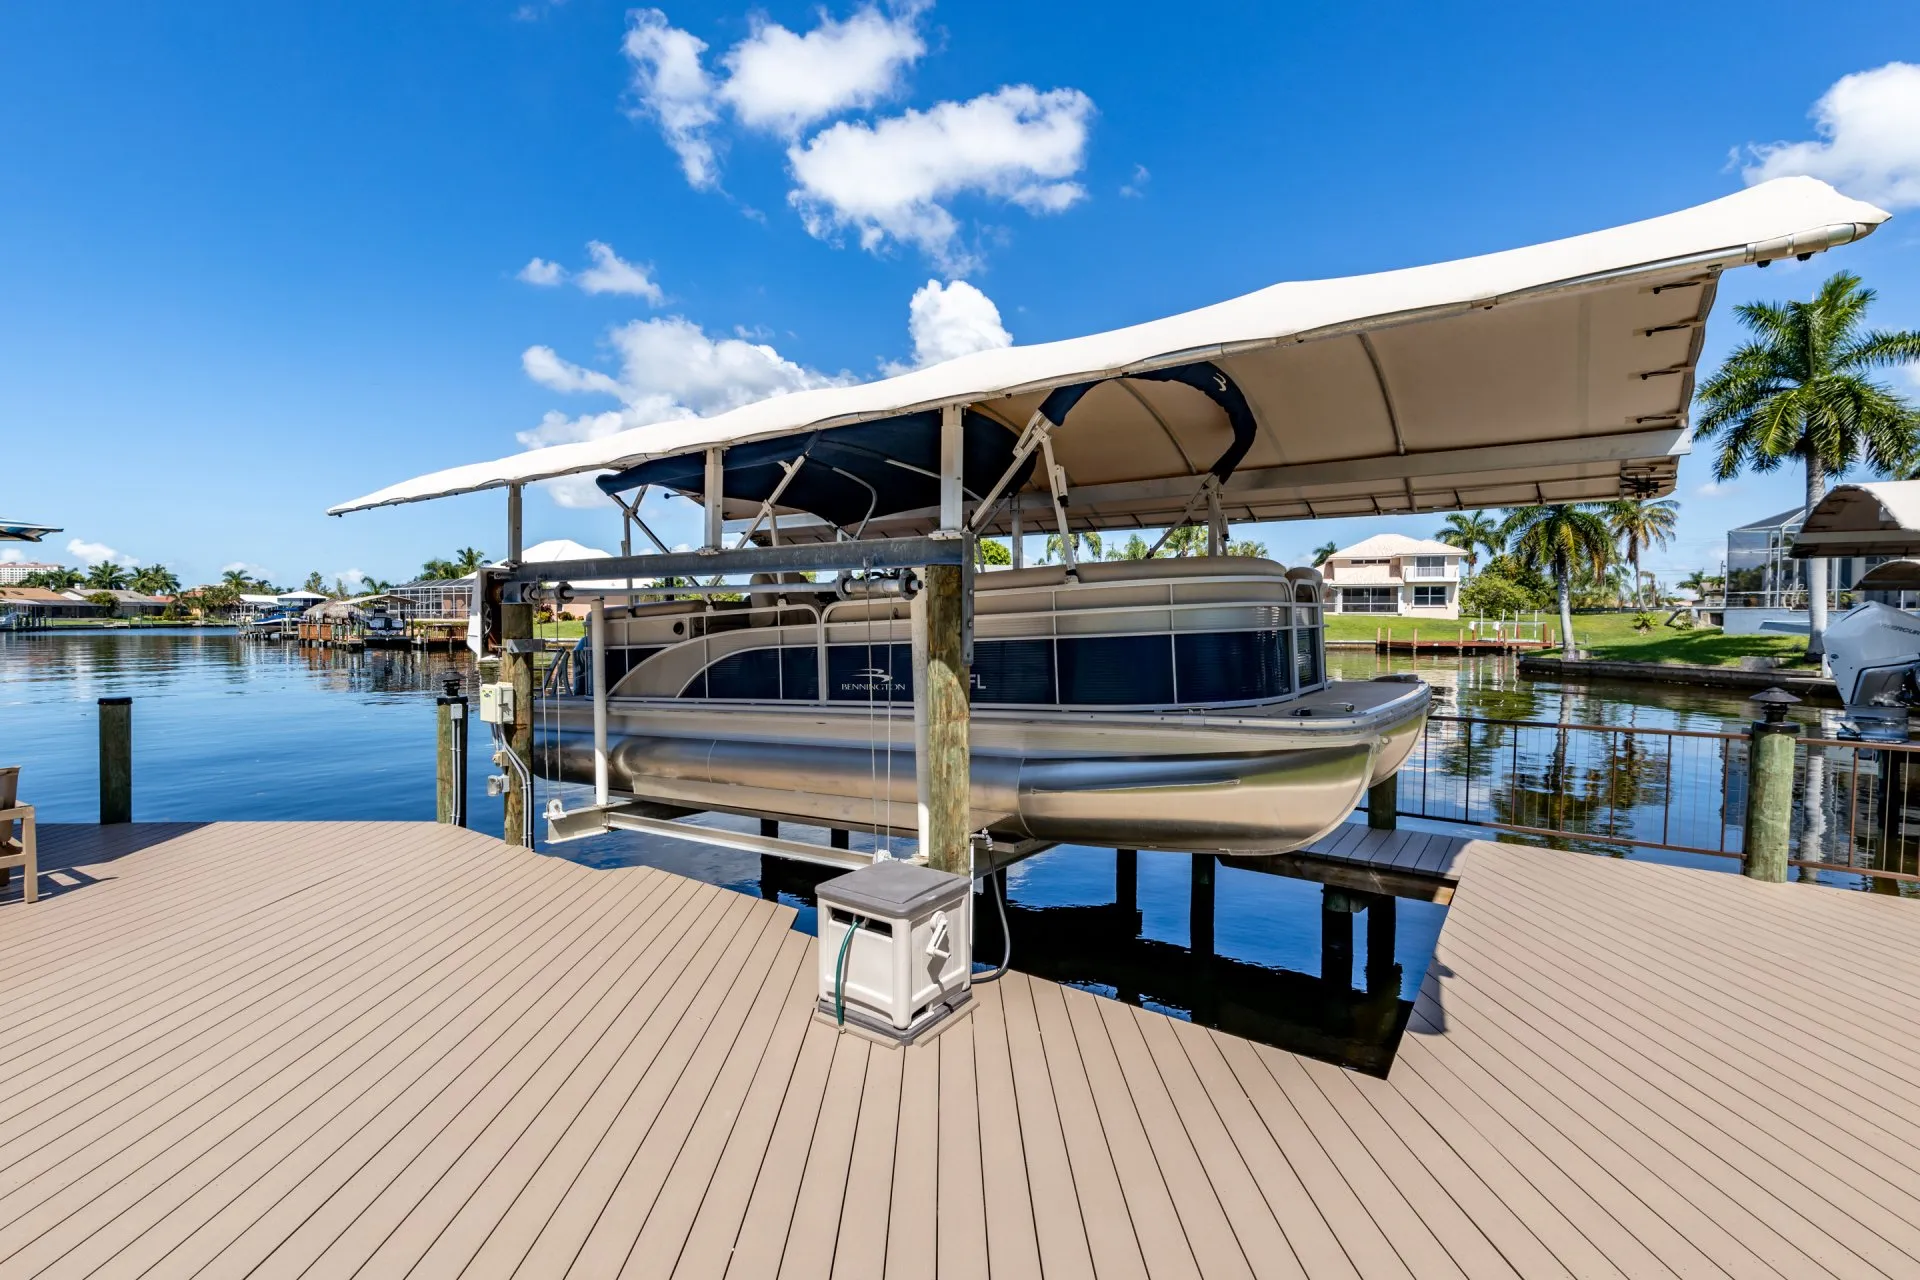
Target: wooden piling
(1126,879)
(1383,804)
(1200,905)
(939,616)
(516,669)
(1336,938)
(451,760)
(116,760)
(1769,828)
(1383,918)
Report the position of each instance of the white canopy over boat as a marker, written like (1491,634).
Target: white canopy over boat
(1878,518)
(1560,372)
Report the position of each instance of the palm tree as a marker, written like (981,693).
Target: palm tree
(1323,552)
(468,560)
(156,580)
(1560,541)
(1639,523)
(55,579)
(1248,547)
(106,576)
(1187,540)
(1799,389)
(1086,546)
(1470,533)
(439,570)
(315,583)
(239,579)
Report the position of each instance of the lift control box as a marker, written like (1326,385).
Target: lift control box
(496,703)
(896,950)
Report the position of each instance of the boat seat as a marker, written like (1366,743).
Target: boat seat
(1180,567)
(17,850)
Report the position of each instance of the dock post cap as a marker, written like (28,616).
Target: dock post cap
(1774,703)
(119,701)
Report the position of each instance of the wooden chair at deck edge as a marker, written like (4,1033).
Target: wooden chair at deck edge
(17,851)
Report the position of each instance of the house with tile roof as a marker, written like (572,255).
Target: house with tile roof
(1391,573)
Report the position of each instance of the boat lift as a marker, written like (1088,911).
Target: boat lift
(942,653)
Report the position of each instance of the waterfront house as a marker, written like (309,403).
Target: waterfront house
(39,605)
(126,604)
(1391,573)
(1766,591)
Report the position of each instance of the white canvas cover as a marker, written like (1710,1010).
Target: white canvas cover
(1878,518)
(1554,373)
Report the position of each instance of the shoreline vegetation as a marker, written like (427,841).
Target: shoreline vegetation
(1602,637)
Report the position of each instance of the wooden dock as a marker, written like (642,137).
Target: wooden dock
(384,1049)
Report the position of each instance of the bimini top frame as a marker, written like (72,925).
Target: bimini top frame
(1875,519)
(1554,373)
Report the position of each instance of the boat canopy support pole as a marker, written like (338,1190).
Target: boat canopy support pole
(952,487)
(597,624)
(633,517)
(1038,431)
(715,499)
(1216,523)
(516,669)
(1057,486)
(792,469)
(1014,537)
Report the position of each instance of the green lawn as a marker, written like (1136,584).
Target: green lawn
(1608,637)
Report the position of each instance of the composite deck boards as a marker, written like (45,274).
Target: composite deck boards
(393,1049)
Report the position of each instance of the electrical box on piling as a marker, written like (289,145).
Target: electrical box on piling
(896,953)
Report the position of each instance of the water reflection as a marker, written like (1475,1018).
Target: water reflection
(1331,999)
(1585,763)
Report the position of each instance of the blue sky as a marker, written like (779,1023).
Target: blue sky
(257,259)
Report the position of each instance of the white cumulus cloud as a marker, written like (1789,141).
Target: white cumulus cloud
(1869,143)
(610,273)
(671,87)
(545,367)
(92,553)
(952,320)
(885,180)
(541,272)
(889,180)
(781,82)
(669,368)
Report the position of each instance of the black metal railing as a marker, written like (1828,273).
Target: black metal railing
(1608,787)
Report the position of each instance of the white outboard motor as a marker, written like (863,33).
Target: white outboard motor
(1875,653)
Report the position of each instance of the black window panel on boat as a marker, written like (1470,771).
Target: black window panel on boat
(1230,666)
(1013,671)
(752,673)
(1115,670)
(622,660)
(800,674)
(870,673)
(1306,659)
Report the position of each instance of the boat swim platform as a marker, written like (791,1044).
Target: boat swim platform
(384,1049)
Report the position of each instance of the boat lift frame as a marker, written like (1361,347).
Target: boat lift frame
(942,649)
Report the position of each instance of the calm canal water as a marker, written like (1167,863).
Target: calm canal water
(230,730)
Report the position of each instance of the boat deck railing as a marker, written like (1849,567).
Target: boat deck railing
(1167,607)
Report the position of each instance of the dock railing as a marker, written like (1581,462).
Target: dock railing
(1608,788)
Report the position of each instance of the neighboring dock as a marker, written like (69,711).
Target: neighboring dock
(364,1048)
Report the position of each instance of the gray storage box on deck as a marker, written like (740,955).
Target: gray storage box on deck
(910,965)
